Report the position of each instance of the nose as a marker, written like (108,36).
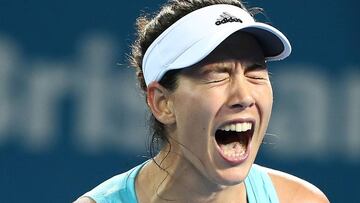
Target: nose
(240,95)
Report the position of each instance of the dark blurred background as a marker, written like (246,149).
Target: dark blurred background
(71,115)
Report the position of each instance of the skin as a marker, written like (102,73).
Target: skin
(232,83)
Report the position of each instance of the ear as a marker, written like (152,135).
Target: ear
(158,99)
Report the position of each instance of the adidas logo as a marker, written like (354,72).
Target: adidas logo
(227,18)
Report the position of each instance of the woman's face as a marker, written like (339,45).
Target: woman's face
(222,108)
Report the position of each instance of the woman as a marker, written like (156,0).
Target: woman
(202,66)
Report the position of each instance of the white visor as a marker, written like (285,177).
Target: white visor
(197,34)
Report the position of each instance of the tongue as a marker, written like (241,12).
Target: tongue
(233,149)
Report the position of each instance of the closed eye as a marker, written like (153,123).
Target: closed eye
(216,74)
(216,81)
(215,77)
(257,71)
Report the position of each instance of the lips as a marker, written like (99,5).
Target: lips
(233,141)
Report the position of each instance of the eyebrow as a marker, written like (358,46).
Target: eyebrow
(218,67)
(221,67)
(255,66)
(224,67)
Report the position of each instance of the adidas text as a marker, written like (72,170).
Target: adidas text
(227,20)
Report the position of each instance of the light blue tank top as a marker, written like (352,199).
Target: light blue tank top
(121,188)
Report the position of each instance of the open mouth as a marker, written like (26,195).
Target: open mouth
(233,141)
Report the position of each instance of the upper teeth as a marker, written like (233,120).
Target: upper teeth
(238,127)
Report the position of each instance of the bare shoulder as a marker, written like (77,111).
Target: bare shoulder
(293,189)
(84,200)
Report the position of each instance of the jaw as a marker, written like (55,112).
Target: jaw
(204,159)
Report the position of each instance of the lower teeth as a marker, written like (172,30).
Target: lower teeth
(234,149)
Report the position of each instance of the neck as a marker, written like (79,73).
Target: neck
(170,177)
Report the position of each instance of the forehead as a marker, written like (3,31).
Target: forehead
(240,46)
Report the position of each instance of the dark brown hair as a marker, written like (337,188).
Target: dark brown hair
(148,29)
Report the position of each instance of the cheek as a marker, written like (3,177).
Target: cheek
(194,111)
(269,99)
(264,100)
